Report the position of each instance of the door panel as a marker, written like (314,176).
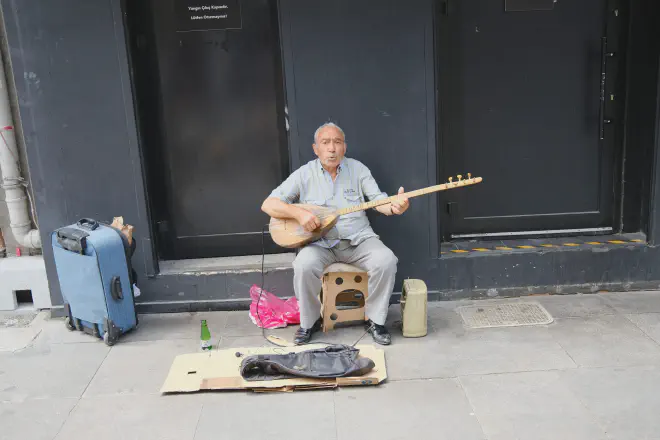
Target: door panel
(520,106)
(372,73)
(223,139)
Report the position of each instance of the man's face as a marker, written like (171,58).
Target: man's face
(330,147)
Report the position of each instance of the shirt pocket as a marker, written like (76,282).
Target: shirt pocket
(314,201)
(353,199)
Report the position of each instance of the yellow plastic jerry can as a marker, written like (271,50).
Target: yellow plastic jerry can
(414,298)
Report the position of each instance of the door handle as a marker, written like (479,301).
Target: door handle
(452,209)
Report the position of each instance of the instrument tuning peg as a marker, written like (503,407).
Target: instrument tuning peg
(450,179)
(469,175)
(459,177)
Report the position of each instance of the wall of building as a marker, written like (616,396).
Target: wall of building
(73,78)
(69,63)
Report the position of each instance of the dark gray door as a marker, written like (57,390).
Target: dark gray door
(520,105)
(368,65)
(217,112)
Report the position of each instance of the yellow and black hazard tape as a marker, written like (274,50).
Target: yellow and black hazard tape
(544,245)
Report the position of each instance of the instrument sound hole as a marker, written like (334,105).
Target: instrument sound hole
(358,279)
(339,281)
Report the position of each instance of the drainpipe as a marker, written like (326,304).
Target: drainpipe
(12,182)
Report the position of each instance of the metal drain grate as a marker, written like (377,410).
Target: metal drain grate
(504,315)
(16,320)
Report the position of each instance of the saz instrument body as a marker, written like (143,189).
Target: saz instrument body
(288,233)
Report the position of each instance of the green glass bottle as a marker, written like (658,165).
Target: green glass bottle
(206,336)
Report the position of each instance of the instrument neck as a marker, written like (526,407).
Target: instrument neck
(406,195)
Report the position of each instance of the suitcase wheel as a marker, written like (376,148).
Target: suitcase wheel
(111,334)
(69,325)
(109,340)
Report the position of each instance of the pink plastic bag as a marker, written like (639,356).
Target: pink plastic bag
(273,311)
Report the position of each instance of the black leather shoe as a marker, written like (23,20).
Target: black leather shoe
(379,333)
(303,335)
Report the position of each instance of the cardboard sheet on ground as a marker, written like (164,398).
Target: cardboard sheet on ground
(220,370)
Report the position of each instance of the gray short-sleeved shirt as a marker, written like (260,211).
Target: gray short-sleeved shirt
(312,184)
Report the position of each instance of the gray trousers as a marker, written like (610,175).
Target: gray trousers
(371,255)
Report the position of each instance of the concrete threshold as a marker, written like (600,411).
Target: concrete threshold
(227,264)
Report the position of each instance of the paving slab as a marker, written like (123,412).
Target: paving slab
(13,339)
(605,341)
(134,417)
(344,335)
(649,323)
(138,367)
(482,351)
(53,331)
(225,342)
(239,324)
(435,409)
(165,327)
(300,415)
(575,306)
(38,419)
(634,302)
(625,400)
(446,319)
(62,371)
(529,406)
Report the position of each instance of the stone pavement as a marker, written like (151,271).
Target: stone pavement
(592,374)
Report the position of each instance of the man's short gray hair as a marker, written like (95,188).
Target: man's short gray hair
(329,124)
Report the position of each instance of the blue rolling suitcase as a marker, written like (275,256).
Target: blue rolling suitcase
(93,262)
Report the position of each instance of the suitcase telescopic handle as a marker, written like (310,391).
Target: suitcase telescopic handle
(88,223)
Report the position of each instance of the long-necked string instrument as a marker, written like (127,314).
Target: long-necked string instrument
(289,233)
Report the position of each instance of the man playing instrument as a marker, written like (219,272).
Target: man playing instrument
(340,182)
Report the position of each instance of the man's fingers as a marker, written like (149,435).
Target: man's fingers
(312,224)
(402,202)
(400,206)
